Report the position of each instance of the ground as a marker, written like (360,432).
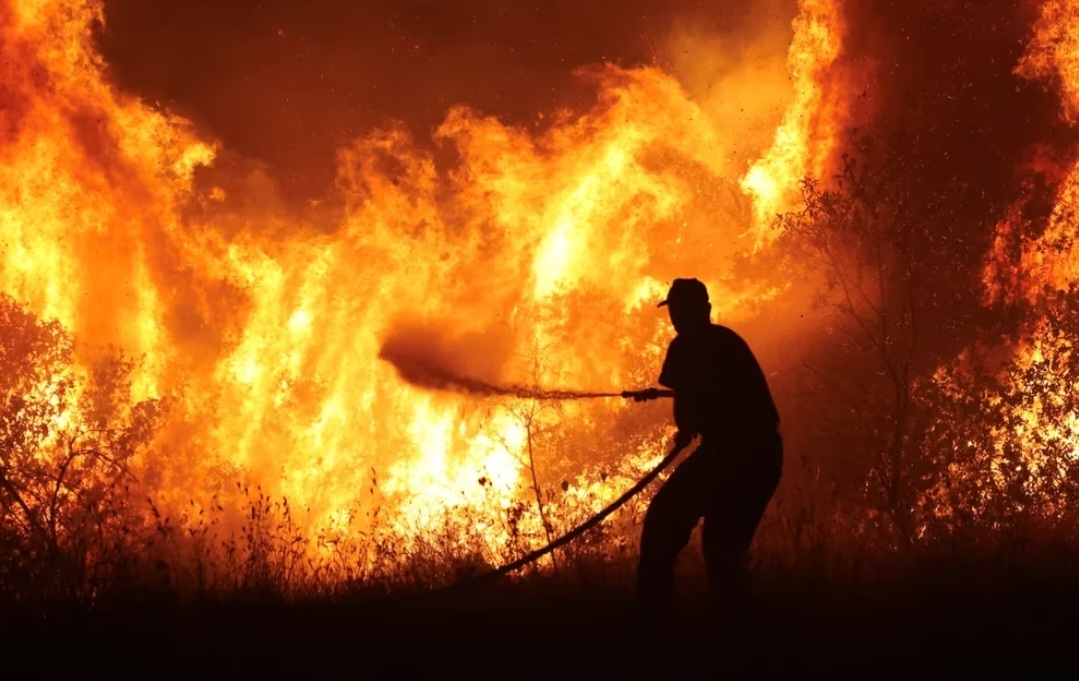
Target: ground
(544,628)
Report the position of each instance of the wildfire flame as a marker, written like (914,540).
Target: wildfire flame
(538,258)
(1046,266)
(807,136)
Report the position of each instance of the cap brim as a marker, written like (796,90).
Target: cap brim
(664,303)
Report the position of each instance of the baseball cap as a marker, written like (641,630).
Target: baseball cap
(686,291)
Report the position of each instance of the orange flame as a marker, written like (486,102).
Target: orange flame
(807,136)
(1045,267)
(538,258)
(1051,263)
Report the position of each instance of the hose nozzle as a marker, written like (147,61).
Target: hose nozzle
(646,394)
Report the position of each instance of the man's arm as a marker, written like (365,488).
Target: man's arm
(670,372)
(672,376)
(666,379)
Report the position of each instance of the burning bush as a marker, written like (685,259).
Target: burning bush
(67,440)
(1007,434)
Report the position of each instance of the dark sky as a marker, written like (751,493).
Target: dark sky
(287,83)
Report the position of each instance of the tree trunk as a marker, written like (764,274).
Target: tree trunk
(897,481)
(539,494)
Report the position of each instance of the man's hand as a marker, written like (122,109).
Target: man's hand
(683,438)
(645,395)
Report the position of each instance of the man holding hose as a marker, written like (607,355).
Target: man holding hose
(720,394)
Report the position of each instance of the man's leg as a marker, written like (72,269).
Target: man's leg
(726,543)
(668,525)
(731,522)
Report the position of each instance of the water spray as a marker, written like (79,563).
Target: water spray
(425,372)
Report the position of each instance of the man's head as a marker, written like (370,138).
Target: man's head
(687,303)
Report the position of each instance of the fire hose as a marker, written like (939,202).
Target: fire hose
(650,393)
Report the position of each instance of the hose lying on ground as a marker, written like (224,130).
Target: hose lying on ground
(488,577)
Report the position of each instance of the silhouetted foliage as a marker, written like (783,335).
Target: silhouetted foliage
(865,233)
(66,438)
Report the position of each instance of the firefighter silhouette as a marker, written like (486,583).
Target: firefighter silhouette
(721,395)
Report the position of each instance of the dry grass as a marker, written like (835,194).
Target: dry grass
(197,558)
(250,601)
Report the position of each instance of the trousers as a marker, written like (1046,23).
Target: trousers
(728,484)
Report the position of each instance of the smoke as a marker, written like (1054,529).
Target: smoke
(431,361)
(737,72)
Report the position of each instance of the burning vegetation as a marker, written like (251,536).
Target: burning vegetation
(195,382)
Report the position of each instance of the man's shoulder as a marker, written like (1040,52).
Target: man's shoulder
(730,343)
(726,334)
(678,342)
(717,337)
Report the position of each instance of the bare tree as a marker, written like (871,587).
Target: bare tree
(539,419)
(531,415)
(866,234)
